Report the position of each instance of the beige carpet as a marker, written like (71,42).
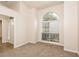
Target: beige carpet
(36,50)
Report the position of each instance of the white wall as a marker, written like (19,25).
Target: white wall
(59,10)
(32,25)
(29,14)
(71,26)
(21,26)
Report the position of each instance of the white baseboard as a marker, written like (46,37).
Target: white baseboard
(21,44)
(70,51)
(33,42)
(52,43)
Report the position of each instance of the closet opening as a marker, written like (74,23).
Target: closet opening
(6,32)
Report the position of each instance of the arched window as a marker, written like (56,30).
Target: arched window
(50,16)
(50,27)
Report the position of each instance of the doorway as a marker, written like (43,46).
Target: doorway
(7,31)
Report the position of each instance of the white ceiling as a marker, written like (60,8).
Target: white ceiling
(35,4)
(42,4)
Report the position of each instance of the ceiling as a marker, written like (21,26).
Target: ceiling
(8,3)
(34,4)
(42,4)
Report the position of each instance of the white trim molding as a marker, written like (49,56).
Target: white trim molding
(52,43)
(70,51)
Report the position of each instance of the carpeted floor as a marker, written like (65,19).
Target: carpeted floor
(36,50)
